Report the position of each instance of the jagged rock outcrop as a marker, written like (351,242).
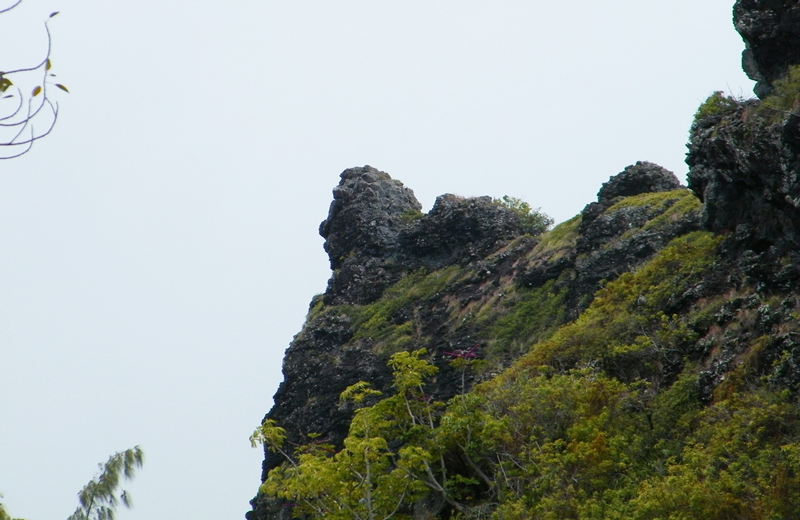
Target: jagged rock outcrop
(375,233)
(642,177)
(744,165)
(771,32)
(459,230)
(718,308)
(377,238)
(614,237)
(362,234)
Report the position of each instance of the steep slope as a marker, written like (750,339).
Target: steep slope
(640,360)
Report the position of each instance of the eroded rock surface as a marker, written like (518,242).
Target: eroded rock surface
(771,31)
(466,278)
(377,239)
(744,167)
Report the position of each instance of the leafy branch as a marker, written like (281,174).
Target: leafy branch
(101,496)
(17,124)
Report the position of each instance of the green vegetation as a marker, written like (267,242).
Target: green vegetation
(101,496)
(786,94)
(716,104)
(687,203)
(561,239)
(411,214)
(586,426)
(548,444)
(532,221)
(742,461)
(663,208)
(625,327)
(3,514)
(530,315)
(385,323)
(609,417)
(99,499)
(370,478)
(784,100)
(658,201)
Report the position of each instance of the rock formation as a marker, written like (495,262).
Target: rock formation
(771,32)
(470,277)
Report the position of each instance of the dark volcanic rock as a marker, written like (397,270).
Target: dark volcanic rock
(771,32)
(366,215)
(459,230)
(744,167)
(375,233)
(613,240)
(642,177)
(362,234)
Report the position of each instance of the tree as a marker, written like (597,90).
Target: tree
(3,514)
(101,496)
(99,499)
(532,221)
(26,116)
(389,458)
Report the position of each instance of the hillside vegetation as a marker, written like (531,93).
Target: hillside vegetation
(639,361)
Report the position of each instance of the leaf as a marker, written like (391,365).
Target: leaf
(53,14)
(36,91)
(48,64)
(62,87)
(4,84)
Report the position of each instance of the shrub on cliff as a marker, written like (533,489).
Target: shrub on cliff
(388,461)
(716,104)
(785,96)
(532,221)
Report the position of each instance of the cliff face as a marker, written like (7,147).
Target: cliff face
(771,32)
(664,290)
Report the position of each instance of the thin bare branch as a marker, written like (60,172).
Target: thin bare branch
(10,8)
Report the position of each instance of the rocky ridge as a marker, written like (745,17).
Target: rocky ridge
(467,277)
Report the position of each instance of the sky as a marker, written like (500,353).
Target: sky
(158,250)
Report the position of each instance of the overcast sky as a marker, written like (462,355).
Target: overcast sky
(159,249)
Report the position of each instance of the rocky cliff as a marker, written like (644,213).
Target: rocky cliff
(675,295)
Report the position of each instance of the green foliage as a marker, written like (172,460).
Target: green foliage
(785,96)
(716,104)
(658,201)
(378,321)
(602,419)
(3,514)
(688,202)
(542,442)
(625,326)
(743,462)
(367,478)
(531,315)
(315,308)
(532,221)
(664,207)
(99,498)
(410,215)
(558,241)
(566,442)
